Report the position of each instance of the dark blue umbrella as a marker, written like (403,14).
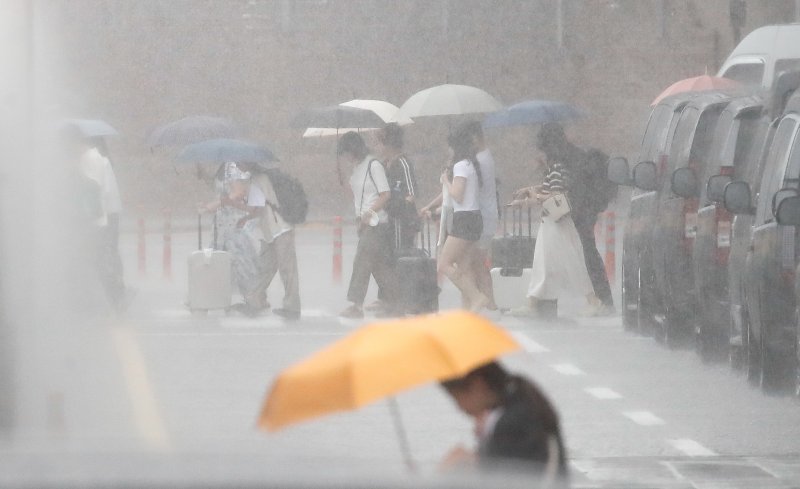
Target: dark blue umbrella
(224,150)
(532,112)
(91,128)
(192,129)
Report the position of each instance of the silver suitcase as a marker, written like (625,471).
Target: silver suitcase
(510,286)
(209,277)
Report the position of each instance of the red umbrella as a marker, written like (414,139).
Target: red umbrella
(697,84)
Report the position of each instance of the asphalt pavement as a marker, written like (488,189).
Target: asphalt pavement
(180,386)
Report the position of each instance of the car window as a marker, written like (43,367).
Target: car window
(679,149)
(757,154)
(655,133)
(722,148)
(775,168)
(746,73)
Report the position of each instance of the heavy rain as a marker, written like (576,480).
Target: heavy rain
(399,243)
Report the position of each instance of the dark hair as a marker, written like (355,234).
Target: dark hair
(463,149)
(352,143)
(472,128)
(551,136)
(392,135)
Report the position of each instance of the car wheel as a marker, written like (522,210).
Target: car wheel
(752,352)
(796,369)
(708,344)
(644,308)
(774,369)
(678,329)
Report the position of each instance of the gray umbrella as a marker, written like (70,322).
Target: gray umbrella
(193,129)
(224,150)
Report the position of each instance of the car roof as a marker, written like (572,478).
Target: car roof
(744,104)
(710,98)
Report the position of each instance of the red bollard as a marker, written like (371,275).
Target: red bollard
(611,247)
(167,259)
(141,248)
(337,249)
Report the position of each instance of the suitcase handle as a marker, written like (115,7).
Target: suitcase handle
(516,221)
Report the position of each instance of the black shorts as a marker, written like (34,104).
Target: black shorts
(467,225)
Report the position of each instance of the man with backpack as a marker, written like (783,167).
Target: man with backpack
(590,192)
(282,204)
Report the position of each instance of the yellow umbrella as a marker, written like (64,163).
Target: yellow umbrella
(381,359)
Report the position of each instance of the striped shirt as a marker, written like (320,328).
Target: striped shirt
(557,178)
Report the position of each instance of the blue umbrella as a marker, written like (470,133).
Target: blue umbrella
(224,150)
(92,127)
(532,112)
(192,129)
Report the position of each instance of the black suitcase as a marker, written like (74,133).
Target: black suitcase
(417,284)
(513,250)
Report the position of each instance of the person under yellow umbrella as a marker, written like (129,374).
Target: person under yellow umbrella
(381,359)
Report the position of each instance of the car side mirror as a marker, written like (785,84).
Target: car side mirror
(619,172)
(788,213)
(684,183)
(715,188)
(737,198)
(645,176)
(779,196)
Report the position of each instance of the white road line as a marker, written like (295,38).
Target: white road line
(567,369)
(644,418)
(603,393)
(692,448)
(143,400)
(527,343)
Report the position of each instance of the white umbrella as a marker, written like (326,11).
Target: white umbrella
(449,99)
(384,110)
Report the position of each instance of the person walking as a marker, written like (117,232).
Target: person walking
(462,180)
(371,193)
(401,208)
(552,141)
(558,262)
(279,253)
(487,201)
(516,426)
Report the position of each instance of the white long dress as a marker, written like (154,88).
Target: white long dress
(558,263)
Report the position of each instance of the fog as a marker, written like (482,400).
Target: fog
(140,64)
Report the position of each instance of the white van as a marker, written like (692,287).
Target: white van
(763,53)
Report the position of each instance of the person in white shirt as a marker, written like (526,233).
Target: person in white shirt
(462,180)
(371,193)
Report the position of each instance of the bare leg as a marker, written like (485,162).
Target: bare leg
(455,263)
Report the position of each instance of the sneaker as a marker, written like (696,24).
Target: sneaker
(287,314)
(352,312)
(375,306)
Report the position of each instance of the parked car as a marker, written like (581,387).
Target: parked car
(674,308)
(739,133)
(770,336)
(640,221)
(762,54)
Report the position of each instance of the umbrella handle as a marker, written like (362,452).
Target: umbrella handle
(402,438)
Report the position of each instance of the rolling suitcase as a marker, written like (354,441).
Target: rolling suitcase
(510,286)
(513,250)
(209,276)
(417,285)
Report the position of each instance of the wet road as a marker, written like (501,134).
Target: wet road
(631,410)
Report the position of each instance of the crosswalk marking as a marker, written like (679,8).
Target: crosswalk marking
(567,369)
(603,393)
(691,448)
(644,418)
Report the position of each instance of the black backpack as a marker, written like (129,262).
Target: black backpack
(292,202)
(601,191)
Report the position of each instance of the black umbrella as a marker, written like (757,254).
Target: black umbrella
(338,116)
(191,130)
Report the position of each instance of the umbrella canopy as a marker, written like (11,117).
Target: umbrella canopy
(192,129)
(532,112)
(697,84)
(338,116)
(381,359)
(386,111)
(449,99)
(92,127)
(224,150)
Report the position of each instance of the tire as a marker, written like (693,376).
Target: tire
(677,329)
(751,353)
(630,319)
(644,310)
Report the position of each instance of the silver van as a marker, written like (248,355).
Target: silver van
(763,53)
